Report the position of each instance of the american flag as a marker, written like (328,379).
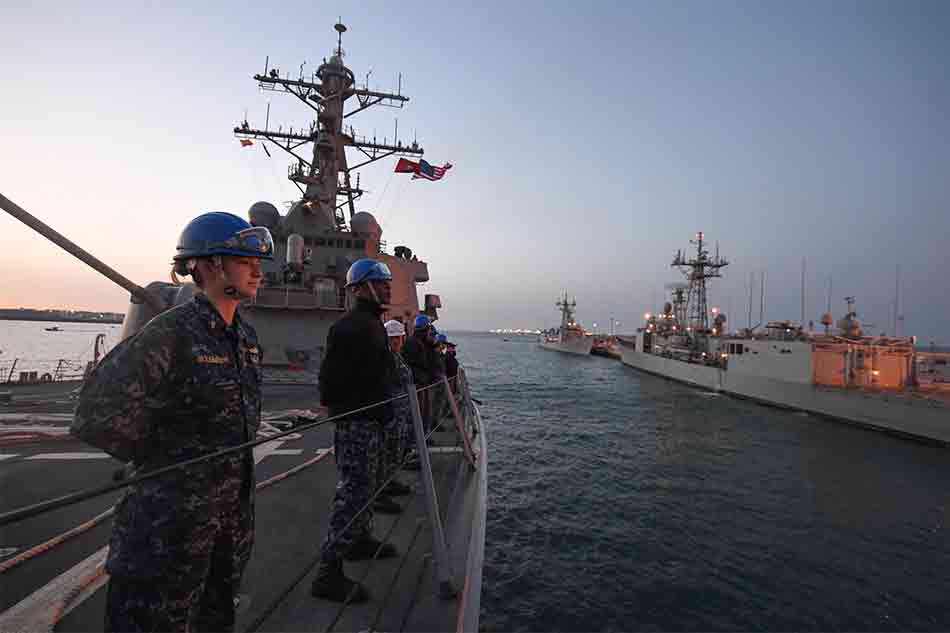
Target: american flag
(429,172)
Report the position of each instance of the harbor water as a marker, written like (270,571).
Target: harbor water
(622,501)
(35,349)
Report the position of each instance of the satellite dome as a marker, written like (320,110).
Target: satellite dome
(364,222)
(264,214)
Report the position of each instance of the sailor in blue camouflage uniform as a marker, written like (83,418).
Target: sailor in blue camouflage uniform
(397,430)
(416,352)
(356,373)
(188,384)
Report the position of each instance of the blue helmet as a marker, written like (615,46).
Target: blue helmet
(367,269)
(219,233)
(422,322)
(442,338)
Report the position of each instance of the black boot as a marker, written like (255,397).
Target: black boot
(331,584)
(385,505)
(366,547)
(397,489)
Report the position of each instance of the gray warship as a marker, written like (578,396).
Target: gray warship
(877,382)
(570,337)
(53,534)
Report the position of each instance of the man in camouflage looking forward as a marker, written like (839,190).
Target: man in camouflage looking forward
(355,377)
(188,384)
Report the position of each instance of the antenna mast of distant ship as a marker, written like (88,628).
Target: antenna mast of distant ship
(325,91)
(697,270)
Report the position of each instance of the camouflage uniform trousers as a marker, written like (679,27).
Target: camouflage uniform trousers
(356,448)
(393,441)
(398,434)
(197,598)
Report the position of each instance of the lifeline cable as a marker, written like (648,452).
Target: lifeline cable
(100,570)
(369,568)
(39,549)
(392,528)
(36,509)
(260,619)
(269,610)
(44,547)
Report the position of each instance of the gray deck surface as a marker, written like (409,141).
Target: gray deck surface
(291,523)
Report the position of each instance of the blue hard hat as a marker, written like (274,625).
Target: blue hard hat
(442,338)
(367,269)
(421,322)
(219,233)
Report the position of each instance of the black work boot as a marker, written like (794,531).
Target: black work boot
(331,584)
(365,549)
(385,505)
(397,489)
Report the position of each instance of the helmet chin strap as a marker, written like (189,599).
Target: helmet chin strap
(229,288)
(372,291)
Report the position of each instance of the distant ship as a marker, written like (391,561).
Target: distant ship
(570,337)
(872,381)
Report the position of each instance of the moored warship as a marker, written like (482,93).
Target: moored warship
(871,381)
(52,560)
(569,337)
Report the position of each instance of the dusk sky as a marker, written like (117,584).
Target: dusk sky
(589,143)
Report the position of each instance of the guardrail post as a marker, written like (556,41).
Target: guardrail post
(442,570)
(459,423)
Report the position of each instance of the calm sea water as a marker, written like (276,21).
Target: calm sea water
(38,350)
(621,501)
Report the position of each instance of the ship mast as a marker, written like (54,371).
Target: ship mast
(697,270)
(324,177)
(567,311)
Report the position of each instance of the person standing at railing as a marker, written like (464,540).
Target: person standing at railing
(356,373)
(398,429)
(438,404)
(187,385)
(451,365)
(417,354)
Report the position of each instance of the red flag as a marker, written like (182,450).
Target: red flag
(246,142)
(406,166)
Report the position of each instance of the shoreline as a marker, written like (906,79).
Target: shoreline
(56,319)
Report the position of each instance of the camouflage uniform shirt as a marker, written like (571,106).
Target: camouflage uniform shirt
(186,385)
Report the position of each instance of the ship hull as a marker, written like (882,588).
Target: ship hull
(906,415)
(579,346)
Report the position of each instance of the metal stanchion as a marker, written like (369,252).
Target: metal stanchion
(459,423)
(442,570)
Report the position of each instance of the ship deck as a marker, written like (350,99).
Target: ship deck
(292,520)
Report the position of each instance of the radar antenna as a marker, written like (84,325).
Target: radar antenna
(324,176)
(697,270)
